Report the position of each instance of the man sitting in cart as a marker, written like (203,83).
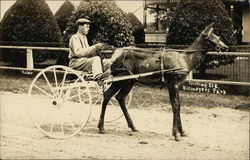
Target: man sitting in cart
(84,57)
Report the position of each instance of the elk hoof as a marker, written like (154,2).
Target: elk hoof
(177,137)
(183,134)
(135,130)
(101,130)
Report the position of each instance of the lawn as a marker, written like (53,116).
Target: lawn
(143,96)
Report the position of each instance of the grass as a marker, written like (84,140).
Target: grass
(144,96)
(188,99)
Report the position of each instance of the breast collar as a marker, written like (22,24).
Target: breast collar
(122,65)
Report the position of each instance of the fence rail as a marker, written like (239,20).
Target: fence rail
(236,73)
(36,48)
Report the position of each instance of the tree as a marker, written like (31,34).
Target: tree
(138,30)
(191,17)
(109,23)
(63,14)
(29,21)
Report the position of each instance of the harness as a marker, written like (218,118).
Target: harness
(122,66)
(161,60)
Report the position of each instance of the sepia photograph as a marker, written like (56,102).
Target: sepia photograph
(125,79)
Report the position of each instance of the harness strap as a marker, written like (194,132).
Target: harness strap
(122,66)
(162,67)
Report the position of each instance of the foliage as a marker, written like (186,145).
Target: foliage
(109,23)
(138,29)
(63,14)
(28,21)
(191,17)
(165,18)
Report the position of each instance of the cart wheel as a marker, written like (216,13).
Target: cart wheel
(113,111)
(59,102)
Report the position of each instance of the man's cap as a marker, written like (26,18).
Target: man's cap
(82,21)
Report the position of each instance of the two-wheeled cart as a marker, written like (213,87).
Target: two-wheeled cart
(60,100)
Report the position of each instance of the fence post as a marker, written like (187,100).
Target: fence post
(29,62)
(29,58)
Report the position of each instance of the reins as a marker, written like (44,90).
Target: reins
(168,50)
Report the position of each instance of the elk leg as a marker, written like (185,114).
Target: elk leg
(106,98)
(121,97)
(181,131)
(179,125)
(175,101)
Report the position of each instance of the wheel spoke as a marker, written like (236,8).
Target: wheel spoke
(49,84)
(70,89)
(67,93)
(55,76)
(71,97)
(79,94)
(52,116)
(95,92)
(43,91)
(62,129)
(63,80)
(74,128)
(52,126)
(96,96)
(111,102)
(76,80)
(64,77)
(97,100)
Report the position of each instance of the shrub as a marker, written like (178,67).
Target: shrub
(191,17)
(28,21)
(138,29)
(63,14)
(109,23)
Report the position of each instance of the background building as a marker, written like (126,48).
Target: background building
(238,10)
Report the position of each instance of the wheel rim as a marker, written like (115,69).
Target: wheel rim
(59,102)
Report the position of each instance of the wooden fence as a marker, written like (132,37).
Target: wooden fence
(30,64)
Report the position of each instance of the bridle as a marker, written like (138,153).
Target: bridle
(214,38)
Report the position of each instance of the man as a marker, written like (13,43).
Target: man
(82,56)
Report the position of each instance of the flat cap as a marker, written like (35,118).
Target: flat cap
(82,21)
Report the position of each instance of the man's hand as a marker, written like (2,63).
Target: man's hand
(103,46)
(99,46)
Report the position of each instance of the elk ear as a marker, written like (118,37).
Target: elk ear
(211,25)
(208,29)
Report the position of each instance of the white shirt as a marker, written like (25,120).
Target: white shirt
(79,46)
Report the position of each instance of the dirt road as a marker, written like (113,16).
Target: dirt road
(219,133)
